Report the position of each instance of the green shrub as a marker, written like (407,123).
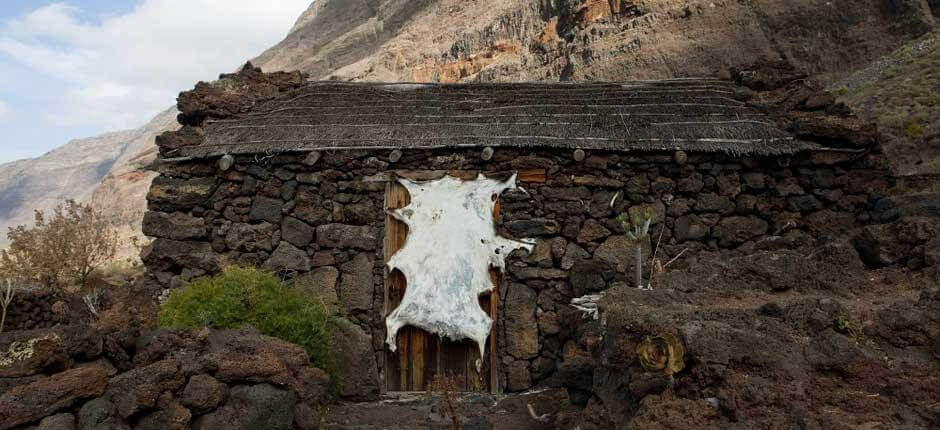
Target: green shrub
(914,130)
(241,296)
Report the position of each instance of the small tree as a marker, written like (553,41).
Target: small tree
(67,246)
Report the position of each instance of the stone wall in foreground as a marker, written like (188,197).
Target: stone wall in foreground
(319,219)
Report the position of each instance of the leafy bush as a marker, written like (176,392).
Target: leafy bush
(241,296)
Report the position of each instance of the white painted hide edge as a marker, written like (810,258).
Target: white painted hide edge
(446,258)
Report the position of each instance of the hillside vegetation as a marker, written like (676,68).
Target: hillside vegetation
(901,92)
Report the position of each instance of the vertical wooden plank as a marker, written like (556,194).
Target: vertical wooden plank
(396,368)
(418,343)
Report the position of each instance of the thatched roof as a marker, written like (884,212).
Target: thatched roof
(696,115)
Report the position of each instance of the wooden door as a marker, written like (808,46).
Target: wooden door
(420,355)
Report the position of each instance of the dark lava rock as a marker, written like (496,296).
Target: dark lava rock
(138,389)
(346,236)
(250,237)
(288,257)
(173,194)
(297,232)
(266,209)
(176,226)
(522,333)
(32,402)
(251,407)
(171,417)
(64,421)
(203,393)
(533,227)
(356,285)
(359,378)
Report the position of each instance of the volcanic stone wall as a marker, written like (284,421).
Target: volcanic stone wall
(319,219)
(34,309)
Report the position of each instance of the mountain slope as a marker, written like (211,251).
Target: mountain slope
(901,92)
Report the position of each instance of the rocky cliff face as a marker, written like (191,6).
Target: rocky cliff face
(512,40)
(494,40)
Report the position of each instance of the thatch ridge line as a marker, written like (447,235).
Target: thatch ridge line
(558,138)
(481,124)
(532,115)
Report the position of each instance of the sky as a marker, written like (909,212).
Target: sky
(79,68)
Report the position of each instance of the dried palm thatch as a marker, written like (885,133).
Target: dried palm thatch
(689,114)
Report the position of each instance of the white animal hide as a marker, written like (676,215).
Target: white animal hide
(446,258)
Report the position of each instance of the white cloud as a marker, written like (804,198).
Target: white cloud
(125,68)
(4,110)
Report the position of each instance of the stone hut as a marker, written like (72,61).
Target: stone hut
(315,180)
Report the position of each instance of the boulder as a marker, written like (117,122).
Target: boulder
(162,255)
(100,414)
(690,227)
(541,254)
(358,375)
(320,285)
(171,417)
(518,376)
(309,206)
(176,225)
(170,142)
(203,393)
(709,202)
(573,255)
(362,213)
(250,237)
(288,257)
(63,421)
(138,389)
(522,333)
(250,407)
(25,353)
(735,230)
(234,93)
(356,286)
(347,236)
(851,131)
(617,252)
(175,194)
(44,397)
(591,231)
(533,227)
(296,232)
(266,209)
(245,355)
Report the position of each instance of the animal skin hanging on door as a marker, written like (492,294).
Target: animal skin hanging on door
(446,258)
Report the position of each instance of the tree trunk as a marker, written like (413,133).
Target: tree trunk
(639,265)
